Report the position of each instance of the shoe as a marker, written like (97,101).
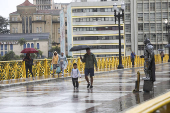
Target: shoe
(74,88)
(91,87)
(88,85)
(33,78)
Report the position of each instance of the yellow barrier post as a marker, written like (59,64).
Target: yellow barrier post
(46,69)
(24,70)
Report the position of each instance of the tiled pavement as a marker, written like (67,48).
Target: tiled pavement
(112,93)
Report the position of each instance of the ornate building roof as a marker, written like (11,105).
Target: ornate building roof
(26,3)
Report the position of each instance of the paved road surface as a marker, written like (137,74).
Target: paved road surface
(112,93)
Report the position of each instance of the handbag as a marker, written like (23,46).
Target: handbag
(51,67)
(58,70)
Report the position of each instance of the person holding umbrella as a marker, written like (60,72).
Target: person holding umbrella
(28,60)
(89,60)
(28,63)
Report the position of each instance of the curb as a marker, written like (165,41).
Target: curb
(61,79)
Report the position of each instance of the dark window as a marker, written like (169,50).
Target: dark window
(32,45)
(11,47)
(2,54)
(24,46)
(30,23)
(28,45)
(38,46)
(2,47)
(26,24)
(5,52)
(23,25)
(5,47)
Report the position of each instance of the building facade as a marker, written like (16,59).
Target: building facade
(27,19)
(9,42)
(93,24)
(44,4)
(145,18)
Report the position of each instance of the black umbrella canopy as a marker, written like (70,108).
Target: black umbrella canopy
(160,50)
(80,47)
(167,46)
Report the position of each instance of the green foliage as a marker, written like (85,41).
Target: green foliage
(22,41)
(56,48)
(3,25)
(69,56)
(10,56)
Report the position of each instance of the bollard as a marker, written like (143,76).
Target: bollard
(137,83)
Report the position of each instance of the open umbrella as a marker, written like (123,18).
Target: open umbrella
(29,50)
(167,46)
(80,47)
(160,50)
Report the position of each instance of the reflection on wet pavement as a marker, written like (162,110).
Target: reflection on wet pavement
(112,93)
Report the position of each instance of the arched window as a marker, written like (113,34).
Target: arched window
(32,45)
(30,24)
(23,25)
(26,24)
(24,46)
(28,45)
(38,46)
(37,30)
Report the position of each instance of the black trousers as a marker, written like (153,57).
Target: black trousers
(75,82)
(30,69)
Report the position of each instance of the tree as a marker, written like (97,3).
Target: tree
(56,48)
(10,56)
(22,41)
(4,25)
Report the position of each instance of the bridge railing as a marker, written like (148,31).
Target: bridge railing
(16,69)
(160,104)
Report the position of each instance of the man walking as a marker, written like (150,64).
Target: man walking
(89,60)
(132,58)
(55,61)
(63,62)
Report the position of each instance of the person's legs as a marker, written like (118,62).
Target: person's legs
(54,68)
(91,80)
(86,77)
(91,76)
(77,84)
(73,81)
(26,71)
(162,59)
(30,69)
(133,61)
(62,68)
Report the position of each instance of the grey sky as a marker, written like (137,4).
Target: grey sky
(9,6)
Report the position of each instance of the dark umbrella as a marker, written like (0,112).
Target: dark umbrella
(29,50)
(167,46)
(160,50)
(80,47)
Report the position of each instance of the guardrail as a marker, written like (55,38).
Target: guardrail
(16,69)
(159,104)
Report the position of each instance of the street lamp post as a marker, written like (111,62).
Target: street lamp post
(119,16)
(167,29)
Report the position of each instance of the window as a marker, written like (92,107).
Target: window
(127,7)
(140,27)
(2,54)
(159,27)
(11,47)
(5,52)
(158,6)
(158,16)
(40,18)
(5,46)
(28,45)
(37,29)
(140,17)
(30,24)
(38,46)
(152,16)
(146,27)
(146,17)
(164,6)
(140,7)
(40,29)
(26,24)
(32,45)
(24,46)
(2,47)
(16,30)
(152,6)
(13,19)
(23,25)
(146,6)
(127,17)
(16,18)
(152,27)
(36,17)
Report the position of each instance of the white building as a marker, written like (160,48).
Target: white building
(9,42)
(93,24)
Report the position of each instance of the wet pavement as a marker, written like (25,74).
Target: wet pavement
(112,93)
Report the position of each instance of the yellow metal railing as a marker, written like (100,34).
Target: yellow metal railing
(16,69)
(159,104)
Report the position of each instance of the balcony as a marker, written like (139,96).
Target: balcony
(97,41)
